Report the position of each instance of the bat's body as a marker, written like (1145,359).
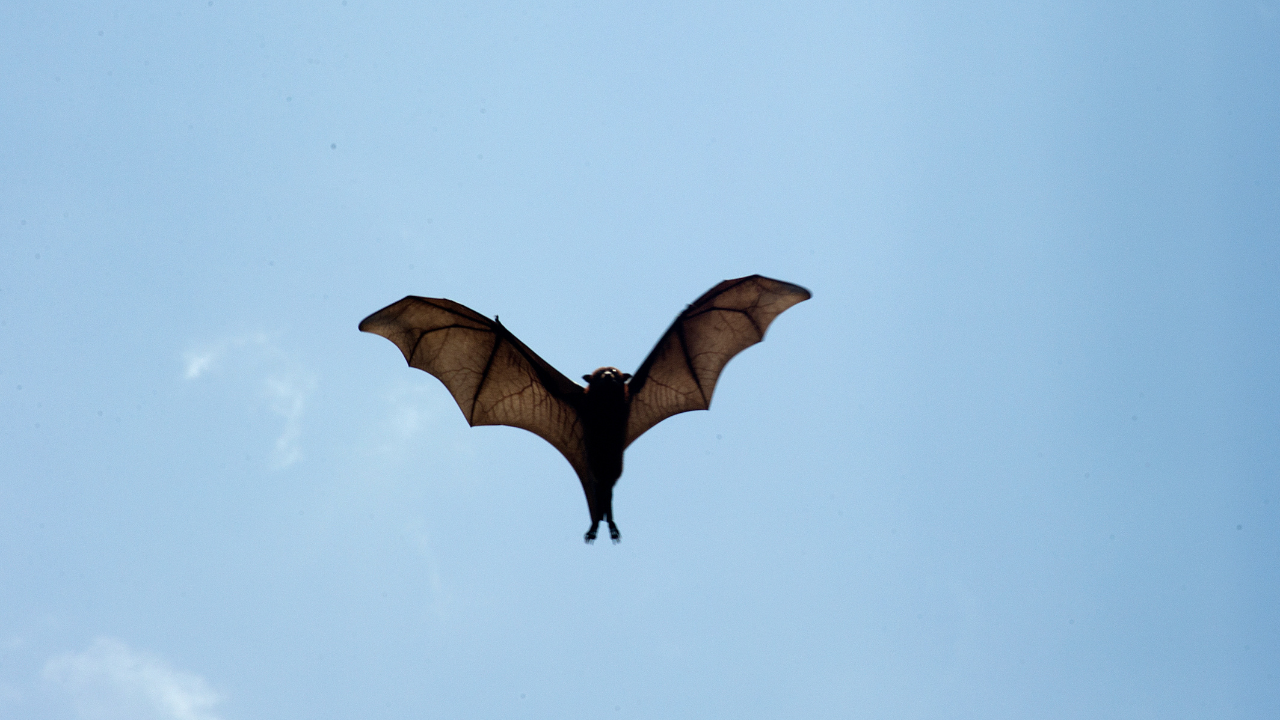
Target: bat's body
(604,409)
(497,380)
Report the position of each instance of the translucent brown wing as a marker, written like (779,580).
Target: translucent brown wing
(495,378)
(681,372)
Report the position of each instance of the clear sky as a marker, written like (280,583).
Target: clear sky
(1016,458)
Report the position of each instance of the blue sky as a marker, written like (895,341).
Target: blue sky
(1016,457)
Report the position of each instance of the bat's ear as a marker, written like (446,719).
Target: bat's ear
(587,377)
(626,377)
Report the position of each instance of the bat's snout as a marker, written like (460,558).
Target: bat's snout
(610,376)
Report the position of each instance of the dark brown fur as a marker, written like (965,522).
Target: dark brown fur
(604,422)
(498,380)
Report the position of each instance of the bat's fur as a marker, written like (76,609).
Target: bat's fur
(498,380)
(604,419)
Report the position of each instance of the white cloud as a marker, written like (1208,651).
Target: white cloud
(288,396)
(110,681)
(285,384)
(203,360)
(413,409)
(198,363)
(420,540)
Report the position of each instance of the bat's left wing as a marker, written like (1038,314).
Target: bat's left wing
(495,378)
(681,372)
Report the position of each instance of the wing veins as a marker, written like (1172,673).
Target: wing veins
(475,397)
(688,362)
(661,388)
(750,319)
(536,364)
(414,353)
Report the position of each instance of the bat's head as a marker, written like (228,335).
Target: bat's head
(607,379)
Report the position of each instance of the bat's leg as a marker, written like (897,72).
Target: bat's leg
(600,502)
(594,507)
(613,527)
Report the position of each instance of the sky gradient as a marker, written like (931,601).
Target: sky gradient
(1016,458)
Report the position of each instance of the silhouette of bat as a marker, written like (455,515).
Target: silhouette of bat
(498,380)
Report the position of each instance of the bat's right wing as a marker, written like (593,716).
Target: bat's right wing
(681,372)
(495,378)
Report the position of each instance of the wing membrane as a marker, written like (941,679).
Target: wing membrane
(681,372)
(495,378)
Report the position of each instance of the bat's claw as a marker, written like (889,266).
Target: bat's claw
(614,535)
(590,537)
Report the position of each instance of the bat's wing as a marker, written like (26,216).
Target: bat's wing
(681,372)
(495,378)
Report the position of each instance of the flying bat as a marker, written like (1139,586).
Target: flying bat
(498,380)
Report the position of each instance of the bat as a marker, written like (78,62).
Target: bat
(498,380)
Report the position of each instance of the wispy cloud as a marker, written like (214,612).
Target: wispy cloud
(418,538)
(288,397)
(209,357)
(413,409)
(111,681)
(285,384)
(199,363)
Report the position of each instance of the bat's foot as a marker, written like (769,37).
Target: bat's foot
(590,537)
(614,535)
